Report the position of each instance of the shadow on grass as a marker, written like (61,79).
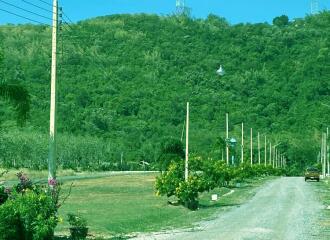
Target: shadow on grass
(218,205)
(93,238)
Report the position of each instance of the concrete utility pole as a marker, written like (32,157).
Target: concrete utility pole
(52,123)
(270,153)
(259,158)
(242,145)
(265,150)
(187,145)
(327,155)
(227,137)
(274,156)
(121,160)
(324,154)
(251,146)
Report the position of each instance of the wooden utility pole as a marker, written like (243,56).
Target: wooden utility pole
(242,144)
(251,146)
(52,123)
(187,145)
(259,157)
(265,150)
(227,137)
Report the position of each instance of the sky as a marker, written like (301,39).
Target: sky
(235,11)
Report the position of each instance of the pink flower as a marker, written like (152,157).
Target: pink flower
(52,182)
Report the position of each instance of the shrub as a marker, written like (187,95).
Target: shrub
(3,194)
(187,192)
(169,180)
(10,224)
(29,211)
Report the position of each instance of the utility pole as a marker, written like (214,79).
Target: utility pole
(274,157)
(121,160)
(242,146)
(270,153)
(327,155)
(227,137)
(324,154)
(265,150)
(52,123)
(251,146)
(259,158)
(187,145)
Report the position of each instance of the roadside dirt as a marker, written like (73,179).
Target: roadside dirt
(283,209)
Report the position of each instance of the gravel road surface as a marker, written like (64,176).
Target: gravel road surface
(283,209)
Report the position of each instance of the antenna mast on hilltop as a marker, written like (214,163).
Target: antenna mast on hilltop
(314,6)
(180,6)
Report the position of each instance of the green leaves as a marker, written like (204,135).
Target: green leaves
(19,97)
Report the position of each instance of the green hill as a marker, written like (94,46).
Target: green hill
(124,80)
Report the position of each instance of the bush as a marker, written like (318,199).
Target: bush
(169,180)
(187,192)
(205,175)
(10,224)
(3,194)
(29,212)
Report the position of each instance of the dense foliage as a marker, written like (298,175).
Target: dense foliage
(205,175)
(28,211)
(124,81)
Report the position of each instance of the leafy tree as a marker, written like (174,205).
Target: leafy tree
(281,21)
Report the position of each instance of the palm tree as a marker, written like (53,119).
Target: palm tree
(19,97)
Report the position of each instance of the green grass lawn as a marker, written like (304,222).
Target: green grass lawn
(121,204)
(126,204)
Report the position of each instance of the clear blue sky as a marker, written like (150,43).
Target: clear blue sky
(235,11)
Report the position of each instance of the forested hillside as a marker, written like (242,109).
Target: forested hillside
(124,80)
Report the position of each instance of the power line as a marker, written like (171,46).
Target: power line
(34,5)
(26,18)
(47,3)
(23,9)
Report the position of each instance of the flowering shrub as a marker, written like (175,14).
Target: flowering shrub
(29,211)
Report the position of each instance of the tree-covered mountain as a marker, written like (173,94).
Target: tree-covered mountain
(124,80)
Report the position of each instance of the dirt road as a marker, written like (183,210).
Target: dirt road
(283,209)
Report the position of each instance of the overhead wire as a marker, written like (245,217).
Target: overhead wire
(47,3)
(25,10)
(36,6)
(26,18)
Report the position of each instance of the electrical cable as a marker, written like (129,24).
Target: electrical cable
(47,3)
(26,18)
(34,5)
(23,9)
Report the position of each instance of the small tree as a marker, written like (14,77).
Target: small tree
(281,21)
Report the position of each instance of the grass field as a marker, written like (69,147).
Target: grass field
(124,204)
